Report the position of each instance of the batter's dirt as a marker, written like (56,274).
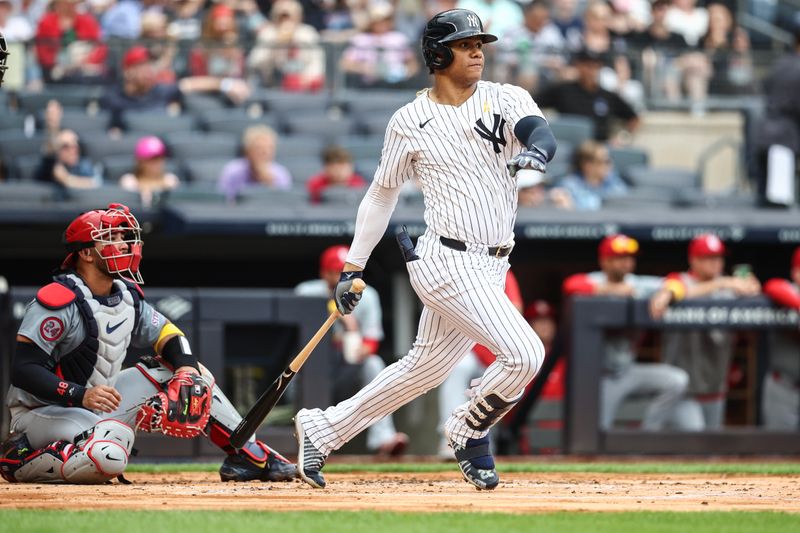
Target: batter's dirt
(517,493)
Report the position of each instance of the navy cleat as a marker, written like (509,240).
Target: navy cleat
(309,459)
(13,453)
(257,462)
(476,463)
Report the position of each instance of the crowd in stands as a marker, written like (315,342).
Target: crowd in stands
(221,66)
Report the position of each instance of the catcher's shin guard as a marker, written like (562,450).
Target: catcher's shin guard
(100,454)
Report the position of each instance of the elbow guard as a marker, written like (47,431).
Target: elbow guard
(534,132)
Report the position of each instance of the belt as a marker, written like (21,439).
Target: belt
(494,251)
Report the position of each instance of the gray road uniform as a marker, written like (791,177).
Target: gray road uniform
(706,357)
(623,376)
(369,316)
(86,338)
(780,407)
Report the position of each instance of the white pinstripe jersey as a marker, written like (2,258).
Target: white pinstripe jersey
(459,155)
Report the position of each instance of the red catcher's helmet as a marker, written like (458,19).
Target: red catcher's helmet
(99,227)
(333,258)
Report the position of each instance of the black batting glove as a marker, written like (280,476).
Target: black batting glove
(534,159)
(346,300)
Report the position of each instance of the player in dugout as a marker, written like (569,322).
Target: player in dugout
(74,411)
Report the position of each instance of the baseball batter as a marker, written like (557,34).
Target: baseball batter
(74,412)
(622,375)
(464,140)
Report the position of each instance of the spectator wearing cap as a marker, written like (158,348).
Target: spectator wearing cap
(141,91)
(68,45)
(532,191)
(455,388)
(149,177)
(356,337)
(257,168)
(623,376)
(780,400)
(587,98)
(594,178)
(704,354)
(380,56)
(337,171)
(218,53)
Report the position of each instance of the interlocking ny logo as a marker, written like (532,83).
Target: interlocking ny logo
(496,135)
(472,20)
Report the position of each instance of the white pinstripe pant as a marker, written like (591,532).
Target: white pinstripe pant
(464,303)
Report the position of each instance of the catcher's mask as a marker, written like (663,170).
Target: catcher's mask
(447,27)
(105,226)
(3,58)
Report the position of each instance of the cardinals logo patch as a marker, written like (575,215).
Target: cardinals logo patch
(51,328)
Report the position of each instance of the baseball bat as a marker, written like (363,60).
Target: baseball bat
(256,415)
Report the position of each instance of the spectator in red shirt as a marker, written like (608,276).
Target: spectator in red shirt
(337,171)
(68,45)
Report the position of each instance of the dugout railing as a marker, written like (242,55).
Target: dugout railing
(588,320)
(245,337)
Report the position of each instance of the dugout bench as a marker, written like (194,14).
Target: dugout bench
(590,317)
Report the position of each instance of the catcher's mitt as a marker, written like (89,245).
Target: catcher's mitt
(181,411)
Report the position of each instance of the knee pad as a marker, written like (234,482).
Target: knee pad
(102,456)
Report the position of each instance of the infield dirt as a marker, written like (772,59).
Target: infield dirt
(424,492)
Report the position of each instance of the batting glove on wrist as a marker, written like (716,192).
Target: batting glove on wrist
(345,299)
(534,159)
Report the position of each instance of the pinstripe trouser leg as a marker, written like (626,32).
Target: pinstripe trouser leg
(465,303)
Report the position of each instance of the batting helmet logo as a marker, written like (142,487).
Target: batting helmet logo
(447,27)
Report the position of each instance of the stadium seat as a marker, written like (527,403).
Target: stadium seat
(25,166)
(366,167)
(104,195)
(76,97)
(373,123)
(285,102)
(17,191)
(12,121)
(235,123)
(195,192)
(14,143)
(159,124)
(302,168)
(200,103)
(308,145)
(188,145)
(98,145)
(205,170)
(115,166)
(325,127)
(82,122)
(343,196)
(274,197)
(625,158)
(380,101)
(572,128)
(664,178)
(363,146)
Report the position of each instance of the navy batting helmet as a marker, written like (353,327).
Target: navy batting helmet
(446,27)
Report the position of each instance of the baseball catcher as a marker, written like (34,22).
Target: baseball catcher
(74,411)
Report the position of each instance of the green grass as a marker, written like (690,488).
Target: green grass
(369,521)
(532,467)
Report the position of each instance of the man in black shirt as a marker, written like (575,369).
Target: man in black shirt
(585,97)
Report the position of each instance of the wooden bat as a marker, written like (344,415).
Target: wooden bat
(256,415)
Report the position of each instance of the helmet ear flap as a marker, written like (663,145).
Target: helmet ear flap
(437,55)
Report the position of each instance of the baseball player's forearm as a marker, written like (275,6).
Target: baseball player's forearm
(372,220)
(30,374)
(534,131)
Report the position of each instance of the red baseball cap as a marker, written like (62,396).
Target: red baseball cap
(796,258)
(334,258)
(135,56)
(617,246)
(539,309)
(706,245)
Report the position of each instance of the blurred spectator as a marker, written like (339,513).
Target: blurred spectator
(780,403)
(668,62)
(32,10)
(68,45)
(14,27)
(218,53)
(498,16)
(629,16)
(704,354)
(160,46)
(685,18)
(185,19)
(124,18)
(594,178)
(357,337)
(455,389)
(567,19)
(140,90)
(337,171)
(533,192)
(287,52)
(66,168)
(728,49)
(149,177)
(777,140)
(585,97)
(257,167)
(337,21)
(379,56)
(622,375)
(532,52)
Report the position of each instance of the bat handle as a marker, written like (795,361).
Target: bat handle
(358,285)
